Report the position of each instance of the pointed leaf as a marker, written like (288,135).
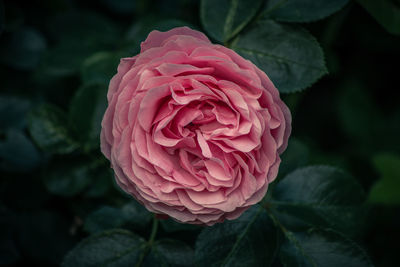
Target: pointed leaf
(290,56)
(110,248)
(319,195)
(250,240)
(321,248)
(225,18)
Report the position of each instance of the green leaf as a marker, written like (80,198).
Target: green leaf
(86,113)
(131,214)
(17,153)
(169,252)
(110,248)
(386,12)
(386,190)
(123,248)
(225,18)
(23,49)
(99,68)
(89,29)
(48,126)
(64,59)
(319,196)
(321,248)
(13,111)
(250,240)
(295,156)
(68,178)
(302,10)
(290,56)
(103,182)
(105,218)
(82,34)
(137,216)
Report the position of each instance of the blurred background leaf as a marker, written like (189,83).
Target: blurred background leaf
(386,189)
(48,126)
(386,12)
(132,215)
(22,49)
(17,152)
(86,112)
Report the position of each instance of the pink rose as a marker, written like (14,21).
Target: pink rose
(193,130)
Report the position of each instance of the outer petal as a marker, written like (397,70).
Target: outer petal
(156,38)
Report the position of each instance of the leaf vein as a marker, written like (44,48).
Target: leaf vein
(241,236)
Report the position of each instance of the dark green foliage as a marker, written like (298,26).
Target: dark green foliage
(321,248)
(23,49)
(48,127)
(386,12)
(167,252)
(386,189)
(131,214)
(17,152)
(291,56)
(60,205)
(225,18)
(110,248)
(250,240)
(123,248)
(87,108)
(302,10)
(295,156)
(319,196)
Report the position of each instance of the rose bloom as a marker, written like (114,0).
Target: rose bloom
(192,129)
